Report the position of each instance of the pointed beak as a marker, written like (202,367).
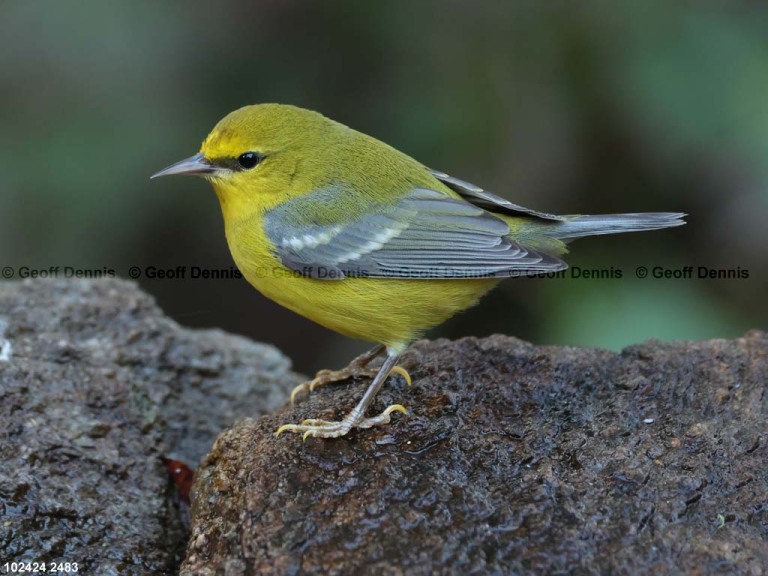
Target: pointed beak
(196,165)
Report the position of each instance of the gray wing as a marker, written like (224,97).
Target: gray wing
(426,234)
(484,199)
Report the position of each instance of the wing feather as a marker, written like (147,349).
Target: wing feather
(426,234)
(489,201)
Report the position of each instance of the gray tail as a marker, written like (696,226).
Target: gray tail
(580,226)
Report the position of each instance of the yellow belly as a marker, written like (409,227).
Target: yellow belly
(388,311)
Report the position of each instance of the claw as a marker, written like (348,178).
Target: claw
(395,408)
(328,376)
(399,370)
(297,390)
(284,428)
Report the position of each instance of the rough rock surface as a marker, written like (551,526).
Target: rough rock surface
(514,459)
(95,386)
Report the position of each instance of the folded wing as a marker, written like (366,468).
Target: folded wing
(425,234)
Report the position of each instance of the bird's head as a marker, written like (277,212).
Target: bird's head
(261,155)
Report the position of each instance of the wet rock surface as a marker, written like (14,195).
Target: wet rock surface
(95,386)
(513,459)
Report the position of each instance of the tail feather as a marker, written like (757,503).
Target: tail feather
(580,226)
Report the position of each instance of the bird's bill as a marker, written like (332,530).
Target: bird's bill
(196,165)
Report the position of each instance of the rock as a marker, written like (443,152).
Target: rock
(513,459)
(95,386)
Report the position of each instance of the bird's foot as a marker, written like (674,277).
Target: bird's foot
(333,429)
(358,367)
(324,377)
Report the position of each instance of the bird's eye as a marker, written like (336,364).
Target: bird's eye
(249,160)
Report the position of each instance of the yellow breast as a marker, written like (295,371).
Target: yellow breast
(392,312)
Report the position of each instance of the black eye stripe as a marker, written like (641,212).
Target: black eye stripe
(246,161)
(249,160)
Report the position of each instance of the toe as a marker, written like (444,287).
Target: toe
(383,418)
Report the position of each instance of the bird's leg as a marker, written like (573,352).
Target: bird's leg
(323,377)
(356,418)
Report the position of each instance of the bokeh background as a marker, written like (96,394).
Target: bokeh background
(567,107)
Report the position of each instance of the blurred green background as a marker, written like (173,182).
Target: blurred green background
(561,106)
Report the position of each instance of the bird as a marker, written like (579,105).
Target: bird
(359,237)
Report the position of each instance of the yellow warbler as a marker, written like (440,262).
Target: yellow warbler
(359,237)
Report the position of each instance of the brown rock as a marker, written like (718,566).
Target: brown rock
(513,459)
